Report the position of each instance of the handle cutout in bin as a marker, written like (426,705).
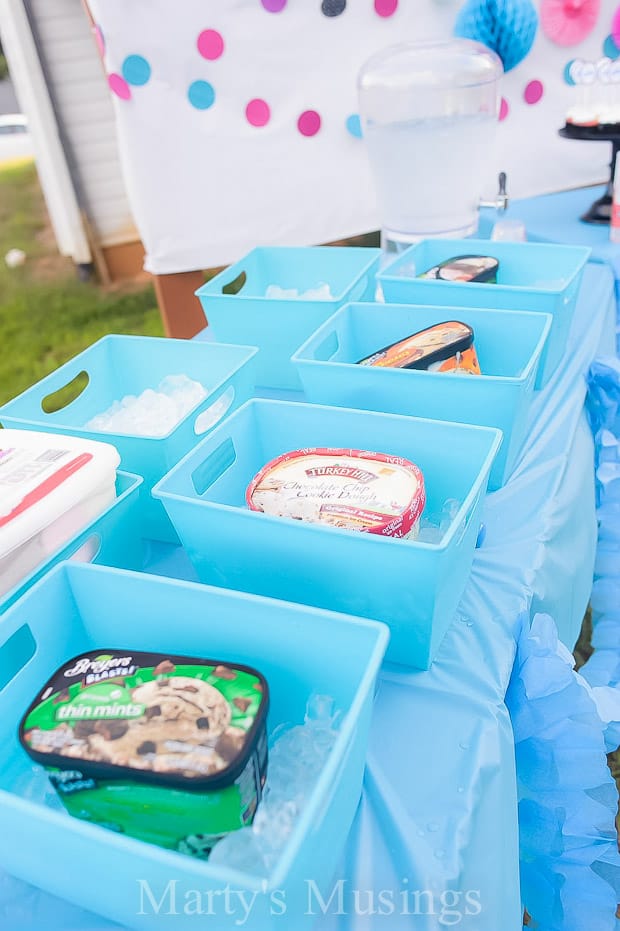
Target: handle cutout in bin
(214,467)
(236,285)
(63,397)
(328,348)
(88,550)
(15,653)
(212,415)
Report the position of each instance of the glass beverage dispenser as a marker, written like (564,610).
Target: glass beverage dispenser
(430,112)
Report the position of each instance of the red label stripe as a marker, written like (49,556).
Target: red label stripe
(42,490)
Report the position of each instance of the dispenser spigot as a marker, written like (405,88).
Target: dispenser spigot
(502,201)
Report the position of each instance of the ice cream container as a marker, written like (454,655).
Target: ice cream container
(347,488)
(443,347)
(51,487)
(479,268)
(171,750)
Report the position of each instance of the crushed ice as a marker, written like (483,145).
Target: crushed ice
(433,527)
(296,760)
(154,412)
(321,293)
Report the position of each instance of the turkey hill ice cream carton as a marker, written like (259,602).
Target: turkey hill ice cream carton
(345,488)
(167,749)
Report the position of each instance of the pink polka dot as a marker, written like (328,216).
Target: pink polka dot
(615,26)
(210,44)
(99,40)
(119,86)
(386,7)
(309,123)
(257,112)
(274,6)
(533,92)
(503,109)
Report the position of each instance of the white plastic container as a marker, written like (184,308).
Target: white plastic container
(51,486)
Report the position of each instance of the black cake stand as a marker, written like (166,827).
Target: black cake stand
(600,211)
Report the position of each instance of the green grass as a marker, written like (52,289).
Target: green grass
(46,314)
(4,68)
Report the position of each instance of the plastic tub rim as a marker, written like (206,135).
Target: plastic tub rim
(299,359)
(584,252)
(251,352)
(135,480)
(207,289)
(309,528)
(276,879)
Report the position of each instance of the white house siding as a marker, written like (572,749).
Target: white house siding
(85,115)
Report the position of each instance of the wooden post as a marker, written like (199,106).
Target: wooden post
(181,311)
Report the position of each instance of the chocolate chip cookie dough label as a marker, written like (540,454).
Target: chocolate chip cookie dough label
(346,488)
(159,747)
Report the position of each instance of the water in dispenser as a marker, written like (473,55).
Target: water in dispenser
(430,113)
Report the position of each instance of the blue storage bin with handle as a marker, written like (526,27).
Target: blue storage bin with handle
(537,277)
(238,308)
(112,539)
(115,366)
(77,609)
(508,345)
(414,587)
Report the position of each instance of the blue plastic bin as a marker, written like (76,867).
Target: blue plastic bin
(413,587)
(123,365)
(277,326)
(532,276)
(112,539)
(79,608)
(508,344)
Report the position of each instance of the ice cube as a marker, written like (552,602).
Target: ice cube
(320,710)
(275,292)
(33,784)
(448,512)
(434,526)
(274,821)
(296,758)
(154,412)
(430,534)
(172,383)
(320,293)
(296,746)
(241,850)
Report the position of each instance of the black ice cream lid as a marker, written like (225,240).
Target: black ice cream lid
(471,268)
(175,720)
(434,344)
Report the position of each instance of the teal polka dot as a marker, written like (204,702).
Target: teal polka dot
(610,49)
(201,95)
(567,75)
(354,125)
(136,70)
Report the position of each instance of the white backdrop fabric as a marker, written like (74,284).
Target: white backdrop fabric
(206,185)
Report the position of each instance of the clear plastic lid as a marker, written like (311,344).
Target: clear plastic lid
(425,79)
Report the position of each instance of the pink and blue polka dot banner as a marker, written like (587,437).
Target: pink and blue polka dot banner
(239,124)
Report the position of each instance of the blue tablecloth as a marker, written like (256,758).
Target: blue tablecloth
(556,218)
(439,809)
